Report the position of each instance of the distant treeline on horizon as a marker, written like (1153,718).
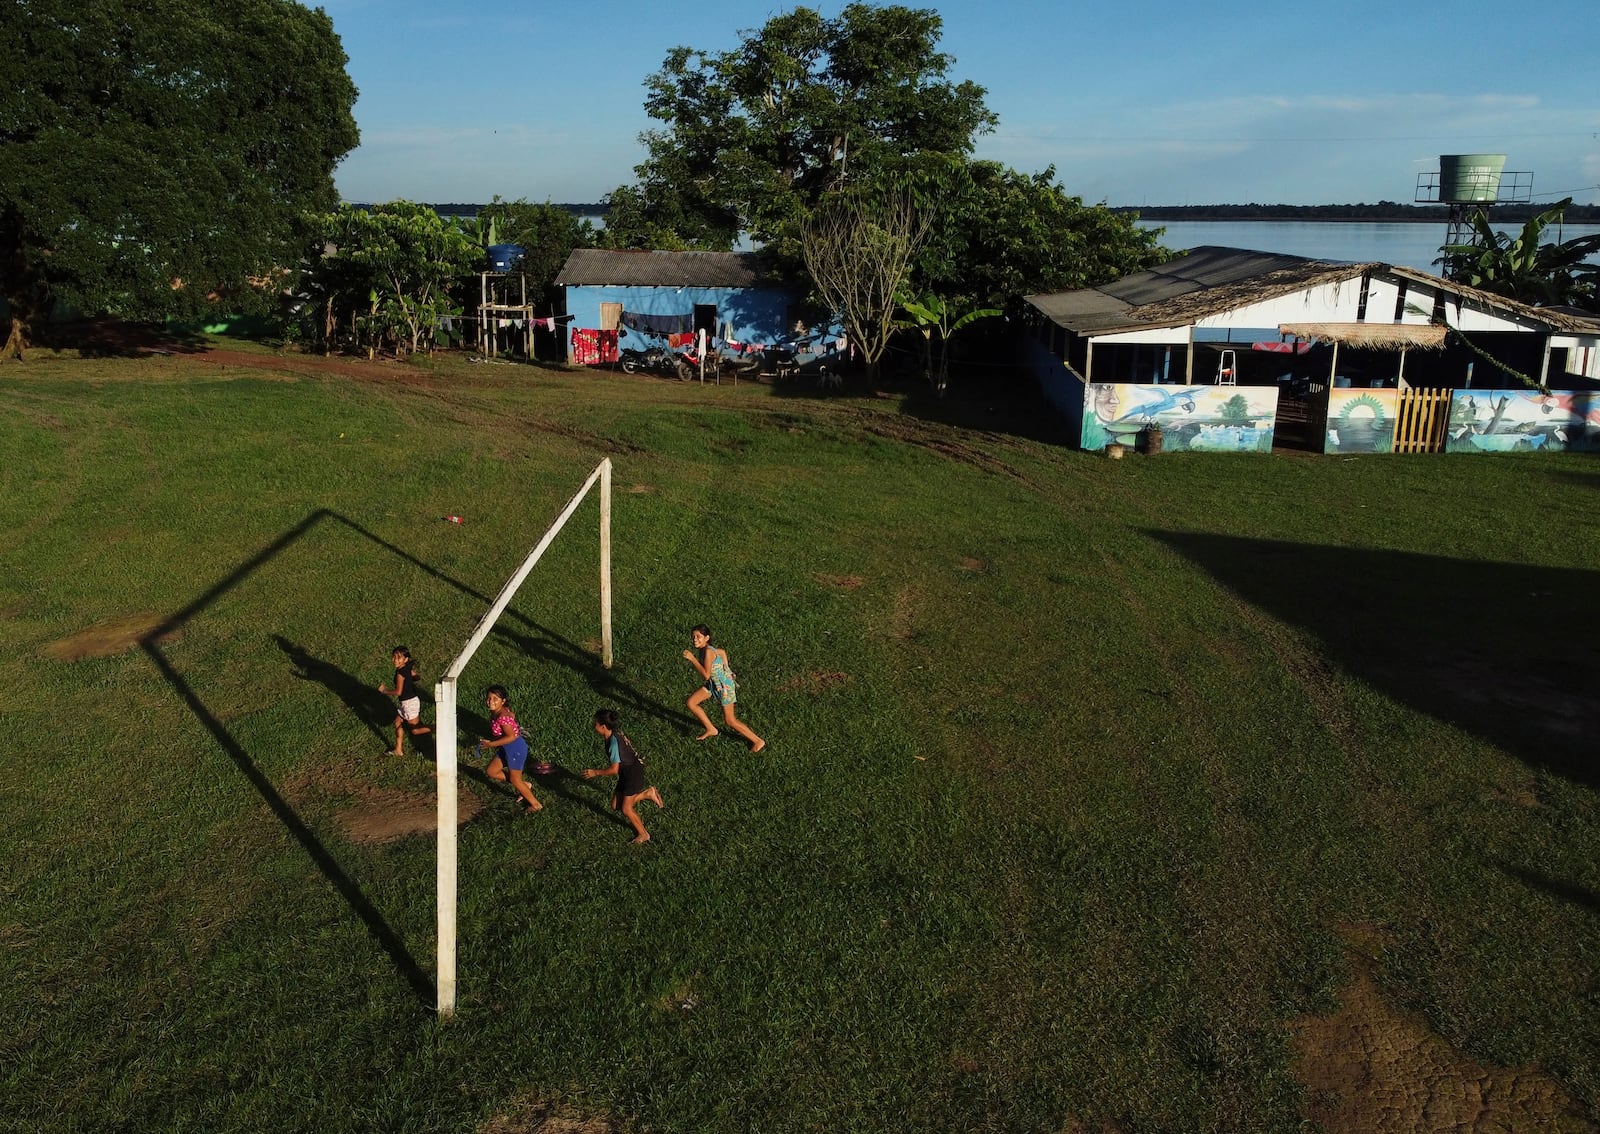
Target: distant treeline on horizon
(1382,211)
(456,209)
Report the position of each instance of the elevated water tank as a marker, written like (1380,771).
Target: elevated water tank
(504,257)
(1466,179)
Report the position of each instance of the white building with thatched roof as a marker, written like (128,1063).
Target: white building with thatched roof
(1289,330)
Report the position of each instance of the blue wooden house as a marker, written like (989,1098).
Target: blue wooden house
(622,299)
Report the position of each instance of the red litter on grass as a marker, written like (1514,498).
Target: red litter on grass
(454,520)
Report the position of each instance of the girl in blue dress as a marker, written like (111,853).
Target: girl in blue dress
(720,683)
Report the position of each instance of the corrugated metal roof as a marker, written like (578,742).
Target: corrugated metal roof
(602,267)
(1205,281)
(1211,280)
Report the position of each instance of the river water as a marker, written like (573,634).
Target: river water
(1408,244)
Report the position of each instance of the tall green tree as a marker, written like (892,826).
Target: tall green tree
(1002,235)
(1523,267)
(754,136)
(159,157)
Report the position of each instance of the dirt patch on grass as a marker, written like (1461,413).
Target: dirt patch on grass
(817,681)
(38,417)
(312,364)
(1370,1068)
(640,489)
(902,615)
(976,566)
(535,1116)
(1518,795)
(682,998)
(110,637)
(946,442)
(842,582)
(369,813)
(385,815)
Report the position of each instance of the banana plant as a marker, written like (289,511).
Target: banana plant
(934,316)
(1520,267)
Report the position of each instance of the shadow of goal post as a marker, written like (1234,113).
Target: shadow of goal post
(444,694)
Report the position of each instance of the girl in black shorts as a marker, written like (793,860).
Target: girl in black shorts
(628,767)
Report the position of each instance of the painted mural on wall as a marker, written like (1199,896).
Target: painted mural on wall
(1361,421)
(1512,421)
(1221,419)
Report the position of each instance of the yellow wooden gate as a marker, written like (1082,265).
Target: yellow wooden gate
(1422,421)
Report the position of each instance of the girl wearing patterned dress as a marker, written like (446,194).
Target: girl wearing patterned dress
(720,682)
(511,750)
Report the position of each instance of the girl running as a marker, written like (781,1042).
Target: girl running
(511,751)
(719,682)
(628,767)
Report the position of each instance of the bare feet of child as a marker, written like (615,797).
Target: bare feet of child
(654,796)
(757,747)
(707,734)
(394,752)
(640,839)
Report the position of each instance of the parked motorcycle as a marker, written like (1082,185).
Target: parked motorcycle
(781,361)
(653,360)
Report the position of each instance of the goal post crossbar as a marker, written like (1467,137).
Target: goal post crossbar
(445,697)
(507,592)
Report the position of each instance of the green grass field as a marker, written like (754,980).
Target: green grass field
(1085,780)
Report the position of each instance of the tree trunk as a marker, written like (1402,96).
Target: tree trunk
(15,341)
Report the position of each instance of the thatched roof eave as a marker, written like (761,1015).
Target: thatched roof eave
(1382,336)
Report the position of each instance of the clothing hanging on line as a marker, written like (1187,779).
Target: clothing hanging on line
(657,324)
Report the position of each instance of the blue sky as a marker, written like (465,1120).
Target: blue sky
(1143,102)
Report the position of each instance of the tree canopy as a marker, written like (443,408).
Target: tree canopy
(159,157)
(1002,234)
(756,135)
(386,275)
(768,138)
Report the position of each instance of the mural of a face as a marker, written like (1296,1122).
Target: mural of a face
(1106,403)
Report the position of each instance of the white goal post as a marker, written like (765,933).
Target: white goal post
(444,694)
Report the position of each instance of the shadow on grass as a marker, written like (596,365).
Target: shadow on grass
(1580,479)
(342,683)
(367,703)
(1502,650)
(990,398)
(571,786)
(370,707)
(546,645)
(1568,892)
(347,887)
(112,338)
